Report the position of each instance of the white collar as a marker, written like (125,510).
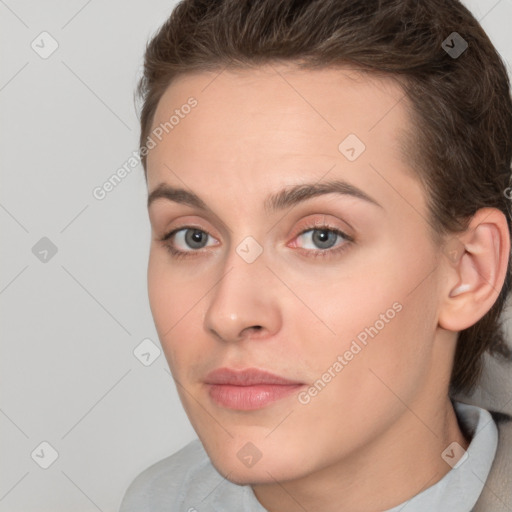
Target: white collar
(459,489)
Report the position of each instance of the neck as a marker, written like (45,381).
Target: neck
(390,470)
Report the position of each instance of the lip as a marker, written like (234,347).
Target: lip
(248,389)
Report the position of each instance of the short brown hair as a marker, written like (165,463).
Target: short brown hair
(461,107)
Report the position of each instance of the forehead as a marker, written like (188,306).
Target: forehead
(242,109)
(262,126)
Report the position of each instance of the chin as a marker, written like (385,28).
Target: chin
(275,466)
(268,474)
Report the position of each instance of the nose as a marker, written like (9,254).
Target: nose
(244,302)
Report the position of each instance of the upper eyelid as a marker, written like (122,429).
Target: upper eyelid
(334,229)
(303,229)
(309,204)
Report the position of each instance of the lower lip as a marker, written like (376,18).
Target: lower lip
(246,398)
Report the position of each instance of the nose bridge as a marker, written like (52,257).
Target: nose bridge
(243,297)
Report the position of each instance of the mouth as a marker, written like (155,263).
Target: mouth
(248,389)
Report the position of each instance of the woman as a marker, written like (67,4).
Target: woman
(330,254)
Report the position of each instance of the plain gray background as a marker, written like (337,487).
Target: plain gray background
(71,320)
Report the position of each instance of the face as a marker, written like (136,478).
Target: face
(298,247)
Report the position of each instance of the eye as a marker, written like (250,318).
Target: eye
(186,240)
(322,240)
(316,240)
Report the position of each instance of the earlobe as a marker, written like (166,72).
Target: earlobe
(478,272)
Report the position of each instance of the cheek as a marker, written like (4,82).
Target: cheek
(358,389)
(175,305)
(381,323)
(161,298)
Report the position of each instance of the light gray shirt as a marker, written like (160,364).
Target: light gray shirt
(187,481)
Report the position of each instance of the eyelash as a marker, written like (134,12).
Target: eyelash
(322,253)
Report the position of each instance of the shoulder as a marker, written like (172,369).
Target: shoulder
(184,477)
(497,493)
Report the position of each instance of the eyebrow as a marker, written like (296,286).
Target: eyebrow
(286,198)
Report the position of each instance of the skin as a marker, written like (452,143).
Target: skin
(373,437)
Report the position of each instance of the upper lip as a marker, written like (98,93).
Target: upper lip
(247,377)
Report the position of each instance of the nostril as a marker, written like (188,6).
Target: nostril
(253,329)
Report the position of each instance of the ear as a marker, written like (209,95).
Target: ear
(476,266)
